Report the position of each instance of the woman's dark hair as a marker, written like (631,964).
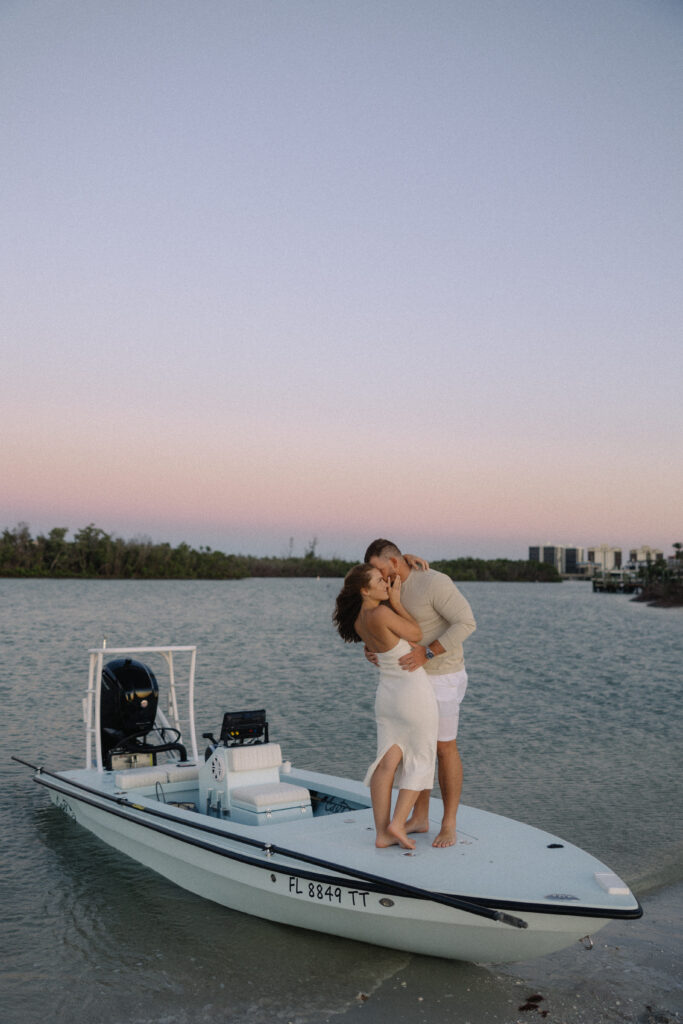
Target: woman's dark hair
(349,601)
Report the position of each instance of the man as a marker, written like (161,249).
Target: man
(446,620)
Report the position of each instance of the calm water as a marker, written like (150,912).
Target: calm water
(571,723)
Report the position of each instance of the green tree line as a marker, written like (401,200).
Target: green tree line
(93,553)
(663,581)
(501,570)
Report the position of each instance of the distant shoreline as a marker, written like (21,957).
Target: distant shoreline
(485,571)
(95,554)
(666,594)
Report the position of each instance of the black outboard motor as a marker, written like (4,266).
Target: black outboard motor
(128,707)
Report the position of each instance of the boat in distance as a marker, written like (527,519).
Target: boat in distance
(238,825)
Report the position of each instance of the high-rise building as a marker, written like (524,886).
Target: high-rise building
(597,558)
(550,554)
(604,557)
(644,554)
(572,560)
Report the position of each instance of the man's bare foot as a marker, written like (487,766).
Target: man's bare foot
(446,837)
(400,836)
(385,839)
(417,825)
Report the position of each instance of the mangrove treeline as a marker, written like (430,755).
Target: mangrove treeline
(663,581)
(95,554)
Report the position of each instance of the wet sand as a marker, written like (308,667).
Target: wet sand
(633,973)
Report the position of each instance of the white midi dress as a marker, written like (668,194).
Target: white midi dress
(407,716)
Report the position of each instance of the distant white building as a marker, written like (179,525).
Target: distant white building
(550,554)
(644,554)
(566,559)
(575,561)
(604,557)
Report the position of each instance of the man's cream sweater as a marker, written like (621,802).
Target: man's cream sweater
(443,614)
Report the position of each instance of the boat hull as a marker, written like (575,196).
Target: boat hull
(278,888)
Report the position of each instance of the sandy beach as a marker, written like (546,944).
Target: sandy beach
(632,975)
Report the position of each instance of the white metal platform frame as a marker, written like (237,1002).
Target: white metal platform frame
(91,702)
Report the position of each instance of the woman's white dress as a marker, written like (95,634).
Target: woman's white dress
(407,715)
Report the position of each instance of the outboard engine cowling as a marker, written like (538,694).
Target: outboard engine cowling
(129,698)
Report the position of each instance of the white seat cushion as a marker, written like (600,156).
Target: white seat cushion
(180,773)
(260,755)
(133,778)
(268,795)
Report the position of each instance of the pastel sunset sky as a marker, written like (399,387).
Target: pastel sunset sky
(304,268)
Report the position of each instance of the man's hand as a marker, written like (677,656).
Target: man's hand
(415,659)
(415,562)
(371,656)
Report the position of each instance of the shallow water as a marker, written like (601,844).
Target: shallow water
(571,723)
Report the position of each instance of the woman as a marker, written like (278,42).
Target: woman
(405,706)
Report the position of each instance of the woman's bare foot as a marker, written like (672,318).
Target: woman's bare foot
(446,837)
(385,839)
(417,825)
(400,836)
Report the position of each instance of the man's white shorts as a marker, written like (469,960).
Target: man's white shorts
(449,691)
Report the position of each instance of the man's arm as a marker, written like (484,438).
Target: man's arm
(455,609)
(451,606)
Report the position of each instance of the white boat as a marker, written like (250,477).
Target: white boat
(239,825)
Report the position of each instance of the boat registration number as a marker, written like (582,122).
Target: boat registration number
(328,893)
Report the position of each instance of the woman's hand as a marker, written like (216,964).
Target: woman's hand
(394,592)
(371,656)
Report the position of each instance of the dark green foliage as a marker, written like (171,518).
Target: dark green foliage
(664,594)
(662,582)
(96,554)
(501,570)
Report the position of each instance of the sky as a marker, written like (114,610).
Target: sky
(301,269)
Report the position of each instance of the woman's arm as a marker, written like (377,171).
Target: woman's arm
(402,623)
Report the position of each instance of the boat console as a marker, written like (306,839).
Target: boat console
(241,777)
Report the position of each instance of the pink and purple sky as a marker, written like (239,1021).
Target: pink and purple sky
(343,269)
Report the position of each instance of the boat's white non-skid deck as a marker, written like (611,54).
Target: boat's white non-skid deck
(495,858)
